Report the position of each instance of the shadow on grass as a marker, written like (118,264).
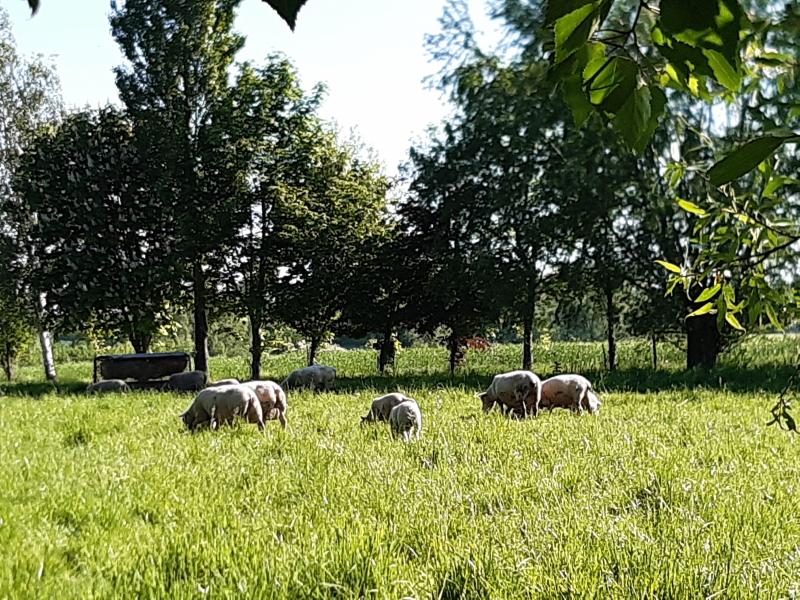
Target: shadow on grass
(734,379)
(768,380)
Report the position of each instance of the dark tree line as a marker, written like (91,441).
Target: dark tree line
(217,189)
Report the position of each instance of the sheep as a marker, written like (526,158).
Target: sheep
(569,391)
(221,405)
(519,391)
(107,385)
(382,407)
(189,381)
(223,382)
(314,377)
(405,419)
(272,399)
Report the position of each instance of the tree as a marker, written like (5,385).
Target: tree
(30,94)
(174,87)
(16,310)
(274,123)
(105,248)
(323,231)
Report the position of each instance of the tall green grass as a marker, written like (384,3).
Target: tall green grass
(676,492)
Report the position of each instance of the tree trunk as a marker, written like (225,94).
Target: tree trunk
(655,352)
(453,345)
(200,320)
(45,342)
(611,318)
(387,351)
(140,342)
(8,362)
(312,350)
(702,336)
(528,314)
(256,346)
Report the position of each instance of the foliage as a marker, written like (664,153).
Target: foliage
(175,87)
(487,505)
(323,232)
(106,250)
(16,318)
(274,124)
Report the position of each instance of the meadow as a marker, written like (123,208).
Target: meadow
(677,489)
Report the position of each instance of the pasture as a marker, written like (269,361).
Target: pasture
(676,489)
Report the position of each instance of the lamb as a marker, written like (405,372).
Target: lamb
(519,391)
(108,386)
(224,382)
(189,381)
(272,399)
(382,407)
(405,419)
(569,391)
(221,405)
(314,377)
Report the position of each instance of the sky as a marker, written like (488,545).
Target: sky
(369,53)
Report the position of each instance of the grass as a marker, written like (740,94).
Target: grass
(676,490)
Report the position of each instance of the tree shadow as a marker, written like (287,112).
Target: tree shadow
(734,379)
(771,380)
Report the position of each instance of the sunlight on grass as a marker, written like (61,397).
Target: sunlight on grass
(673,493)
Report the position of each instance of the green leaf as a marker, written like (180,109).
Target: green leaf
(744,159)
(572,31)
(703,310)
(726,74)
(708,293)
(669,266)
(733,321)
(658,101)
(576,99)
(610,87)
(633,117)
(692,208)
(729,295)
(773,318)
(287,9)
(558,8)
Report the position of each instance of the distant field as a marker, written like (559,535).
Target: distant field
(676,489)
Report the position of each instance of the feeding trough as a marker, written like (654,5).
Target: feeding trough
(141,370)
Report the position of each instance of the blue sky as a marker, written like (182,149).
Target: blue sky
(370,53)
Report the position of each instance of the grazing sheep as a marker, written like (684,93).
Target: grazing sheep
(224,382)
(569,391)
(381,407)
(190,381)
(221,405)
(405,419)
(272,399)
(107,386)
(314,377)
(519,391)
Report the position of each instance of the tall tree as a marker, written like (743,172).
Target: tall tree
(29,96)
(174,85)
(274,123)
(323,232)
(106,250)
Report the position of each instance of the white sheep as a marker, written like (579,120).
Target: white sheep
(189,381)
(569,391)
(108,386)
(314,377)
(405,419)
(222,405)
(518,391)
(224,382)
(272,398)
(382,407)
